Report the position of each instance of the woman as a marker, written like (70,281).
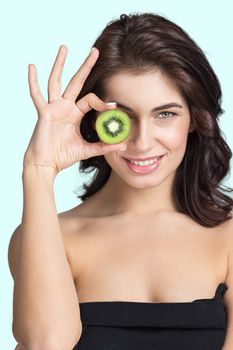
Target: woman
(145,261)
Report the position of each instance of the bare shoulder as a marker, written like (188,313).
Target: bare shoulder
(69,219)
(71,225)
(227,228)
(228,296)
(227,231)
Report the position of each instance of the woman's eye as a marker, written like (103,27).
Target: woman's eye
(167,114)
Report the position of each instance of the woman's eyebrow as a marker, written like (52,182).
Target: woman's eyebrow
(158,108)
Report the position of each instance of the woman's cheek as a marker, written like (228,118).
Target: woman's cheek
(111,158)
(176,137)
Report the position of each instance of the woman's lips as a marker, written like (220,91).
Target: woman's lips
(143,169)
(144,159)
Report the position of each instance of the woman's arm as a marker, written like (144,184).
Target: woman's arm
(45,304)
(46,313)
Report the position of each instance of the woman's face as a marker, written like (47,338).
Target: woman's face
(160,132)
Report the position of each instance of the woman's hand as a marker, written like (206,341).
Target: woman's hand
(56,141)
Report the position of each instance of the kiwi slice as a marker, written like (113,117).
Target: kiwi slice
(113,126)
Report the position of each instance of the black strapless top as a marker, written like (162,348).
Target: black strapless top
(129,325)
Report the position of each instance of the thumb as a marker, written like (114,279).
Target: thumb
(110,148)
(102,148)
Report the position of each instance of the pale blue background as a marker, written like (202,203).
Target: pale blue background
(31,32)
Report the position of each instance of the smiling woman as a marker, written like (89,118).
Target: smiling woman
(145,58)
(175,161)
(146,261)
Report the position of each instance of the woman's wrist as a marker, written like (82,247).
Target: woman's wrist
(37,172)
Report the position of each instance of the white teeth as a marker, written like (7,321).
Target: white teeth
(146,162)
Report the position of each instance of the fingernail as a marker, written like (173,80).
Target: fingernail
(92,50)
(124,148)
(111,103)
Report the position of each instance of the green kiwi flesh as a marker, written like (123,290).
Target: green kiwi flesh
(113,126)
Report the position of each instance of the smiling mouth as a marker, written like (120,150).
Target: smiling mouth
(143,168)
(145,161)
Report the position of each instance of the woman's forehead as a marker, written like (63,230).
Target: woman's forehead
(154,86)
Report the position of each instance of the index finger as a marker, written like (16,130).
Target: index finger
(76,83)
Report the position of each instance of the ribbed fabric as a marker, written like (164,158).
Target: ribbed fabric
(126,325)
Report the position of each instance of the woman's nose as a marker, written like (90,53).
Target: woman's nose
(142,134)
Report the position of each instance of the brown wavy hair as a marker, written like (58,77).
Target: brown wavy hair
(142,42)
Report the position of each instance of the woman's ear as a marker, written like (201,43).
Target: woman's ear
(191,127)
